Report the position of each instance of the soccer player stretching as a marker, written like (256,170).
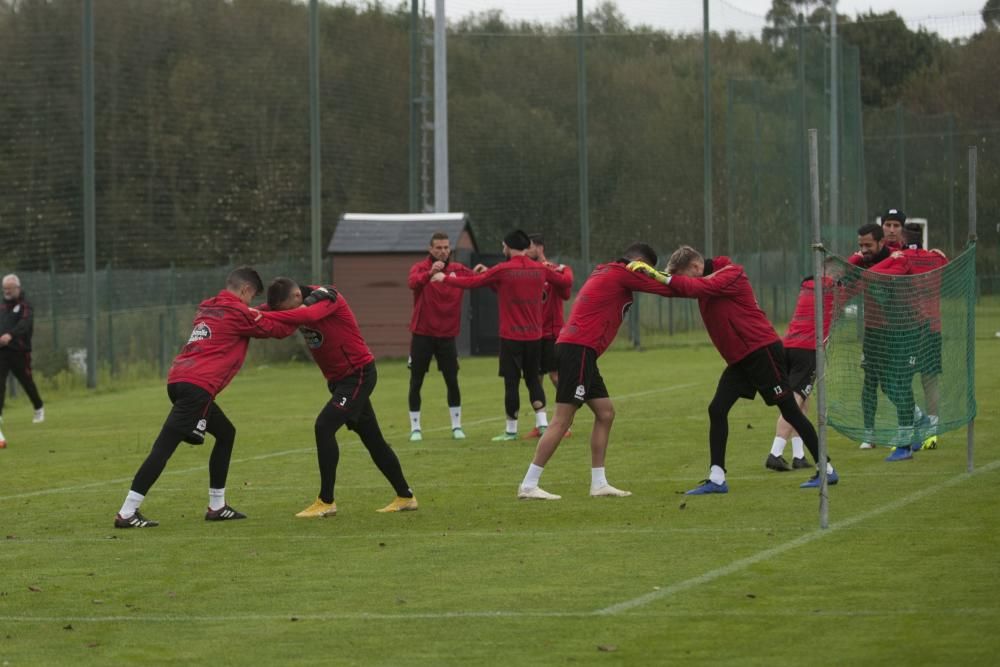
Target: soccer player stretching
(220,336)
(519,283)
(437,316)
(334,340)
(747,341)
(597,313)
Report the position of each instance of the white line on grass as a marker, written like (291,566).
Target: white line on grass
(619,608)
(769,554)
(261,457)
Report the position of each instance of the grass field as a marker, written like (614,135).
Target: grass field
(905,574)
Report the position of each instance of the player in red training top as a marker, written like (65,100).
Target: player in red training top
(553,297)
(220,336)
(871,250)
(598,311)
(800,357)
(746,340)
(924,295)
(437,316)
(334,340)
(519,282)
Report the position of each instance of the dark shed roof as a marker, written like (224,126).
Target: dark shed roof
(376,232)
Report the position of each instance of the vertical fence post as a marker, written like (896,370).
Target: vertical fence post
(89,207)
(707,95)
(820,359)
(109,300)
(971,342)
(414,170)
(581,130)
(52,304)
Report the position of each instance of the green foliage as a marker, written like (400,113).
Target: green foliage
(476,577)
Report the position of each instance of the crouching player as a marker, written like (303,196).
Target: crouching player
(746,340)
(597,313)
(334,340)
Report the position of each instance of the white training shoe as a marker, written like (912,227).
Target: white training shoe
(608,490)
(39,416)
(866,445)
(535,493)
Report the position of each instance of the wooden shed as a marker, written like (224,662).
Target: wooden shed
(372,255)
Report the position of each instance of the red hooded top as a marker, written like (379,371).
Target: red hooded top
(925,296)
(732,316)
(220,336)
(801,332)
(437,308)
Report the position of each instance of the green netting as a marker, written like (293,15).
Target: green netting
(900,358)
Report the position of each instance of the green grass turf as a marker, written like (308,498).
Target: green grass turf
(905,574)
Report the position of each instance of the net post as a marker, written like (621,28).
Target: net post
(970,430)
(824,509)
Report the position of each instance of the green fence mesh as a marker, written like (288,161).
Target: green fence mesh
(900,357)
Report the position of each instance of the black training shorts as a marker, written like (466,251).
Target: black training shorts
(422,348)
(801,367)
(351,395)
(579,378)
(519,357)
(548,362)
(930,351)
(762,371)
(189,416)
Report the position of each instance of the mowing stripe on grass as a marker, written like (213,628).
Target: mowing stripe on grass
(769,554)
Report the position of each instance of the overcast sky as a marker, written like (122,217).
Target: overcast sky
(949,18)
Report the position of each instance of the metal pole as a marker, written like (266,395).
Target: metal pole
(951,183)
(441,204)
(971,429)
(89,207)
(414,106)
(824,508)
(315,173)
(901,154)
(802,256)
(709,252)
(581,131)
(834,124)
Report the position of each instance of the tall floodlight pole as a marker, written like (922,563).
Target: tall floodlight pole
(441,204)
(707,95)
(824,508)
(971,429)
(315,173)
(414,106)
(834,124)
(581,130)
(89,206)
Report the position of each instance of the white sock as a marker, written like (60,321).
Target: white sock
(917,413)
(415,421)
(829,468)
(216,499)
(131,504)
(512,426)
(541,419)
(456,417)
(532,476)
(598,478)
(716,475)
(778,446)
(797,450)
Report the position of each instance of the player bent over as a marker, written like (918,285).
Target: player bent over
(596,315)
(800,358)
(747,341)
(220,336)
(334,340)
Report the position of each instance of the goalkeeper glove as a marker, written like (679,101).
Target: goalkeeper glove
(645,269)
(327,293)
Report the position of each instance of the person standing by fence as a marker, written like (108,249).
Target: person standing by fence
(16,324)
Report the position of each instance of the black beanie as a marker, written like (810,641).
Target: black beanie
(517,240)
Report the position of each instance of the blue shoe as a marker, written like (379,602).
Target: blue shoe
(900,454)
(708,486)
(813,482)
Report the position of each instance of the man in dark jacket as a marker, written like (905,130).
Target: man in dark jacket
(752,350)
(16,323)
